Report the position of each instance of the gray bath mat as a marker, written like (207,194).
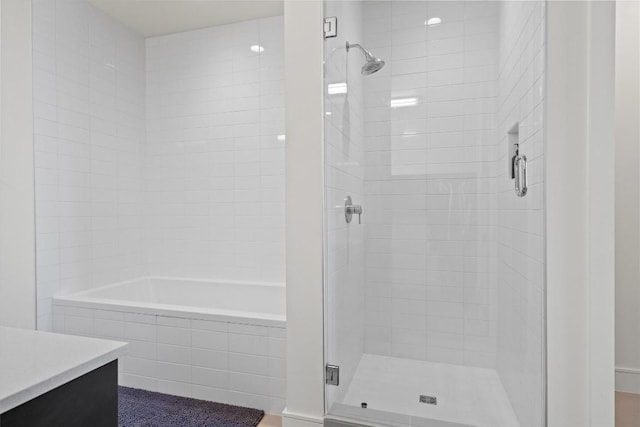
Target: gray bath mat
(141,408)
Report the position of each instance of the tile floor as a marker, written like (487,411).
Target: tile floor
(627,410)
(271,421)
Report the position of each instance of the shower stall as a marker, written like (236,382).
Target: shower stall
(434,139)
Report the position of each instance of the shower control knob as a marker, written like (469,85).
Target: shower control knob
(350,209)
(357,209)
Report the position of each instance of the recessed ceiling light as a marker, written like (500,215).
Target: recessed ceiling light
(328,113)
(403,102)
(433,21)
(282,138)
(336,88)
(256,48)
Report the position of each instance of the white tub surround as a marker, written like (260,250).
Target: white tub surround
(217,341)
(244,302)
(33,363)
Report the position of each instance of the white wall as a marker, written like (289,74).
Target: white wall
(17,235)
(627,196)
(519,222)
(579,222)
(215,153)
(601,211)
(305,191)
(88,139)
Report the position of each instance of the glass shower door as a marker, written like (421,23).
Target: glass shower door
(434,295)
(344,186)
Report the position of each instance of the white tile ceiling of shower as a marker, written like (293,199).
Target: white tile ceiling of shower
(429,181)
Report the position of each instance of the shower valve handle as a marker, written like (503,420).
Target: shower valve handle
(355,209)
(350,209)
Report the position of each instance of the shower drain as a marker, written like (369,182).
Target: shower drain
(430,400)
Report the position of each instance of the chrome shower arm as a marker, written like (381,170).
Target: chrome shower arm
(363,50)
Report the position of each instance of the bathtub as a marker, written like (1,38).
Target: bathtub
(218,341)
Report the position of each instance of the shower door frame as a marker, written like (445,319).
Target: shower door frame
(327,301)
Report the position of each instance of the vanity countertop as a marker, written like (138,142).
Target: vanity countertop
(35,362)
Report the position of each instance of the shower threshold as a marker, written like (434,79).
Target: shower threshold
(392,389)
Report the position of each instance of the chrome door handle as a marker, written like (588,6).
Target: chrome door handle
(350,209)
(520,166)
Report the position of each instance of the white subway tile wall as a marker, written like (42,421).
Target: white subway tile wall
(162,156)
(89,141)
(520,221)
(430,151)
(454,260)
(238,364)
(215,158)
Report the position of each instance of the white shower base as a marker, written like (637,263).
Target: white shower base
(466,396)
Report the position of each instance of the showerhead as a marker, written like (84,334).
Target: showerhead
(372,63)
(371,66)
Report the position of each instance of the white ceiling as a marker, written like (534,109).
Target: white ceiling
(157,17)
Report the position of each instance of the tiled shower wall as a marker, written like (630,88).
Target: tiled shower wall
(89,136)
(429,181)
(163,158)
(520,221)
(215,158)
(454,260)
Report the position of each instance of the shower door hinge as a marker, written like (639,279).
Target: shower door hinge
(330,27)
(332,374)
